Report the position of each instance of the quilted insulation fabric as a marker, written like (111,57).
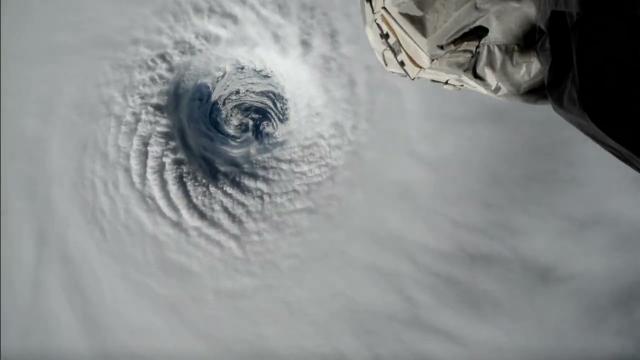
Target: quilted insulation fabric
(529,50)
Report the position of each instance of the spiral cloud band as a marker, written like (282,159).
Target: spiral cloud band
(227,123)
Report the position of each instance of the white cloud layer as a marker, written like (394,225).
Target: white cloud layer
(425,224)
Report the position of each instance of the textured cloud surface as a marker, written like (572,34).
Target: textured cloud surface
(329,210)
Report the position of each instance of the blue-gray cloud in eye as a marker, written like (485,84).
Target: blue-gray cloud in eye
(224,119)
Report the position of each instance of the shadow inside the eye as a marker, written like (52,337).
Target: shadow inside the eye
(223,122)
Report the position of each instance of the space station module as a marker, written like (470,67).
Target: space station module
(581,56)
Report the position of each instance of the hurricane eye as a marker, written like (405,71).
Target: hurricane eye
(226,134)
(246,108)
